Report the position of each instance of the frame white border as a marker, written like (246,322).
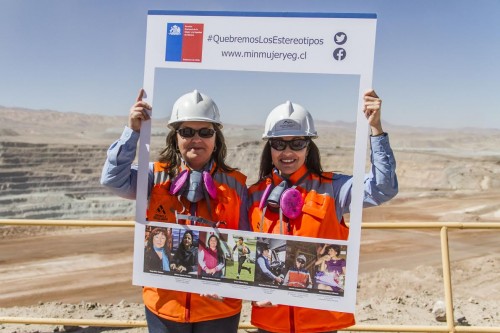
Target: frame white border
(362,30)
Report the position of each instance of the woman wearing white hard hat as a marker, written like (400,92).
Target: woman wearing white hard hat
(189,179)
(294,196)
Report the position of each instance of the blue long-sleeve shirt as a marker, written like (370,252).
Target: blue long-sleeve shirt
(380,184)
(119,173)
(263,264)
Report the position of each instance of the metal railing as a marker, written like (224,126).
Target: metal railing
(445,258)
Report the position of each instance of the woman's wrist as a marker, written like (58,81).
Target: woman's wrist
(376,130)
(377,134)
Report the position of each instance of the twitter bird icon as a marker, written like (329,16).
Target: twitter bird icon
(340,38)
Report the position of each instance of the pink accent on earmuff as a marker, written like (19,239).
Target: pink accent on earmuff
(178,182)
(265,195)
(209,184)
(291,203)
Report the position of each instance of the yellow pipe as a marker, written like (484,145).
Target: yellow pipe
(477,329)
(69,223)
(366,225)
(445,260)
(244,325)
(72,322)
(426,329)
(395,328)
(430,225)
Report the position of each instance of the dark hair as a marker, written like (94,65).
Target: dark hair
(170,154)
(240,238)
(188,232)
(155,232)
(336,248)
(313,160)
(220,253)
(264,247)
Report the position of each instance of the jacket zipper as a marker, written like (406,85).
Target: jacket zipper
(292,319)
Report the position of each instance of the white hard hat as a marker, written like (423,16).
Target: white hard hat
(301,256)
(194,106)
(289,119)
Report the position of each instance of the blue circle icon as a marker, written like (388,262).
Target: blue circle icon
(340,38)
(339,54)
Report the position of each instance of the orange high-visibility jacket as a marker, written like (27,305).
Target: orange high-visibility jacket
(318,219)
(231,193)
(298,278)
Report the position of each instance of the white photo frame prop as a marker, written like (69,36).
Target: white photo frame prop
(315,43)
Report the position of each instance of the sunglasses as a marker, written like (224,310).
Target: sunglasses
(188,132)
(296,144)
(301,261)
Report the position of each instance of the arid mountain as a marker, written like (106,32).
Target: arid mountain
(50,163)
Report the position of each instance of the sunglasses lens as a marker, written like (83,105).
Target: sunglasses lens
(206,132)
(186,132)
(297,144)
(301,261)
(278,144)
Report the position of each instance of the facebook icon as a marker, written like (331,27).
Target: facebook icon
(339,54)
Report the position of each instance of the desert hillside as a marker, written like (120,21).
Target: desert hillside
(50,163)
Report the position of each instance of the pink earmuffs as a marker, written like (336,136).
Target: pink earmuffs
(178,183)
(265,195)
(209,184)
(291,203)
(290,200)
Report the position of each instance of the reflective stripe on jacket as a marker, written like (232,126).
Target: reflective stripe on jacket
(188,307)
(318,219)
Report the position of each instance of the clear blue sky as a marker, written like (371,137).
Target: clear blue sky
(436,62)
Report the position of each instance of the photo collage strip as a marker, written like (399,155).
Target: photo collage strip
(238,258)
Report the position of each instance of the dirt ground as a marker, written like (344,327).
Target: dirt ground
(95,265)
(86,274)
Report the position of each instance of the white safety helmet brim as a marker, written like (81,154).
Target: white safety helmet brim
(289,119)
(194,106)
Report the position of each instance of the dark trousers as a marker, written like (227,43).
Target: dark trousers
(241,261)
(223,325)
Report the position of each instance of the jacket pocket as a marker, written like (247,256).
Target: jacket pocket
(316,205)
